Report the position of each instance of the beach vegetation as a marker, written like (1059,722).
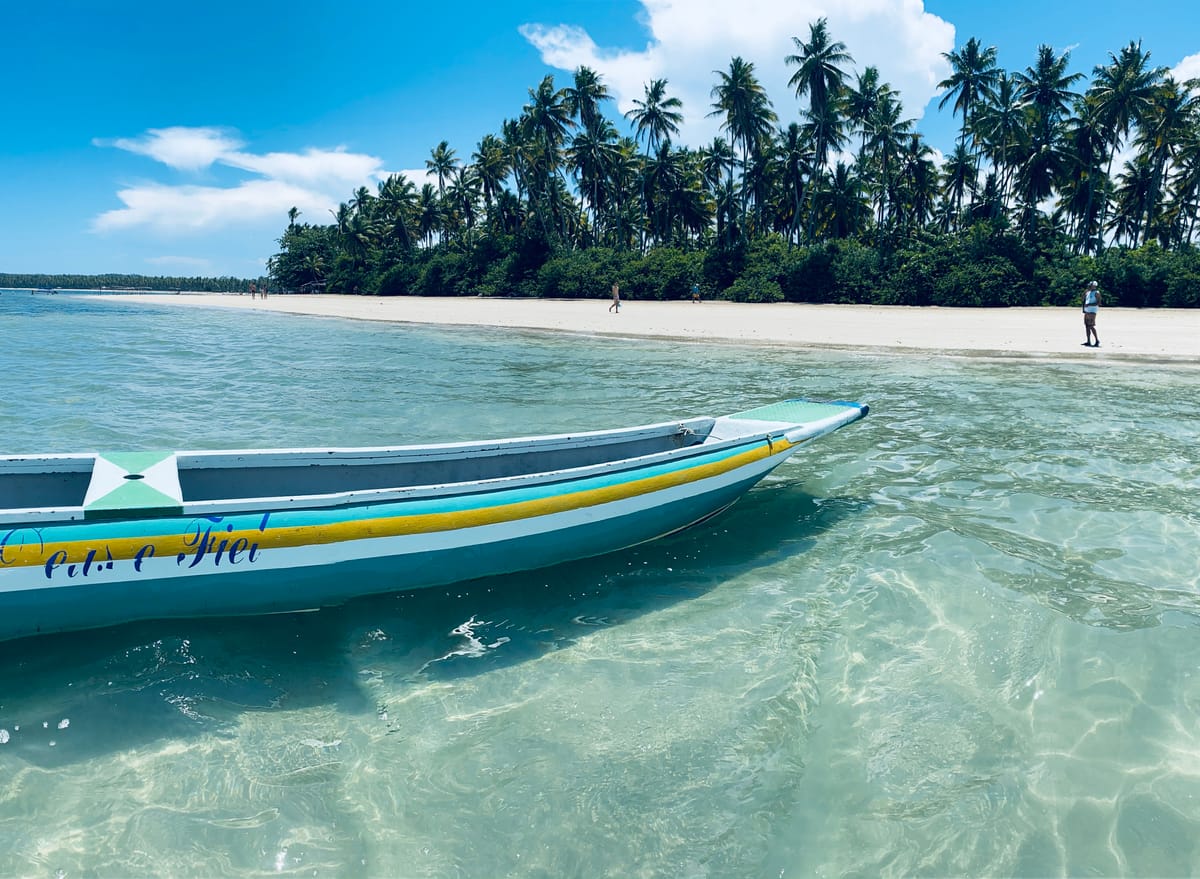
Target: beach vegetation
(830,194)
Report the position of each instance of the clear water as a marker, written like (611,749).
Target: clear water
(958,638)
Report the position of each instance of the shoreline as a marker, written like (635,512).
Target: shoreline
(1128,335)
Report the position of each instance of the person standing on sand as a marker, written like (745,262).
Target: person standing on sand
(616,293)
(695,292)
(253,290)
(1091,307)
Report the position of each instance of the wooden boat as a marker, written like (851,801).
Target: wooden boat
(91,540)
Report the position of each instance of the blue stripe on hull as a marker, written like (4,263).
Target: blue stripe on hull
(94,605)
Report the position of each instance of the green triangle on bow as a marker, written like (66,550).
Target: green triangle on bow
(136,462)
(135,495)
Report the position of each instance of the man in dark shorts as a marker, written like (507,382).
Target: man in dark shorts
(1091,307)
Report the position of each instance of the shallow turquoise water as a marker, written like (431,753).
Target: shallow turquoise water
(958,638)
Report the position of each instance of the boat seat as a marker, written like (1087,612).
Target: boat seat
(133,483)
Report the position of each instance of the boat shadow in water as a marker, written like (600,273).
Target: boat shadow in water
(71,697)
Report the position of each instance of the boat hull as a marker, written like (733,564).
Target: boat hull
(107,563)
(319,575)
(94,604)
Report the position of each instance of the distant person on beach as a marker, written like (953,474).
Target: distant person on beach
(253,289)
(695,292)
(263,290)
(616,303)
(1091,307)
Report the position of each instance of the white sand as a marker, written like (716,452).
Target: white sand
(1128,335)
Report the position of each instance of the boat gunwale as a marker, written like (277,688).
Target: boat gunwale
(793,433)
(367,497)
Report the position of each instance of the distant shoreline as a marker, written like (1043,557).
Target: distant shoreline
(1133,336)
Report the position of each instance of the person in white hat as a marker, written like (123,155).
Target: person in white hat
(1091,307)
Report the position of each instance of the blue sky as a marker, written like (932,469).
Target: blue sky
(169,138)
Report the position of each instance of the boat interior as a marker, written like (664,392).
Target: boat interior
(68,481)
(212,476)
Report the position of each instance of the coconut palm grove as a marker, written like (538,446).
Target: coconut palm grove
(827,194)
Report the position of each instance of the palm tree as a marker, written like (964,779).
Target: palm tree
(620,198)
(971,83)
(590,158)
(429,214)
(584,98)
(958,174)
(741,99)
(663,173)
(1045,87)
(1185,193)
(1042,168)
(441,163)
(1132,195)
(293,212)
(861,101)
(796,156)
(341,218)
(844,210)
(1120,94)
(1001,127)
(1045,91)
(820,77)
(888,133)
(1083,148)
(360,203)
(1171,115)
(491,167)
(919,177)
(691,206)
(657,117)
(397,204)
(547,118)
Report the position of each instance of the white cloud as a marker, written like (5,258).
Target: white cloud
(313,181)
(186,149)
(689,39)
(323,167)
(419,177)
(177,210)
(1188,68)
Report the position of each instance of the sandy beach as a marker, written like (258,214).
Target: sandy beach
(1167,336)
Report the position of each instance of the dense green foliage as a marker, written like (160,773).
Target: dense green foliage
(845,204)
(121,282)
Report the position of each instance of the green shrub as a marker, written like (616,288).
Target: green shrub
(583,274)
(810,275)
(753,289)
(856,273)
(663,273)
(443,275)
(400,280)
(993,281)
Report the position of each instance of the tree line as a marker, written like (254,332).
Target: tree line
(121,282)
(847,202)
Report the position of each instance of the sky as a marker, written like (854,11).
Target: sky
(172,138)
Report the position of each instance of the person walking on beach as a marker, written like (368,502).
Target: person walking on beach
(1091,307)
(616,294)
(695,292)
(253,290)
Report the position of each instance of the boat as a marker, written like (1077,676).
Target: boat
(98,539)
